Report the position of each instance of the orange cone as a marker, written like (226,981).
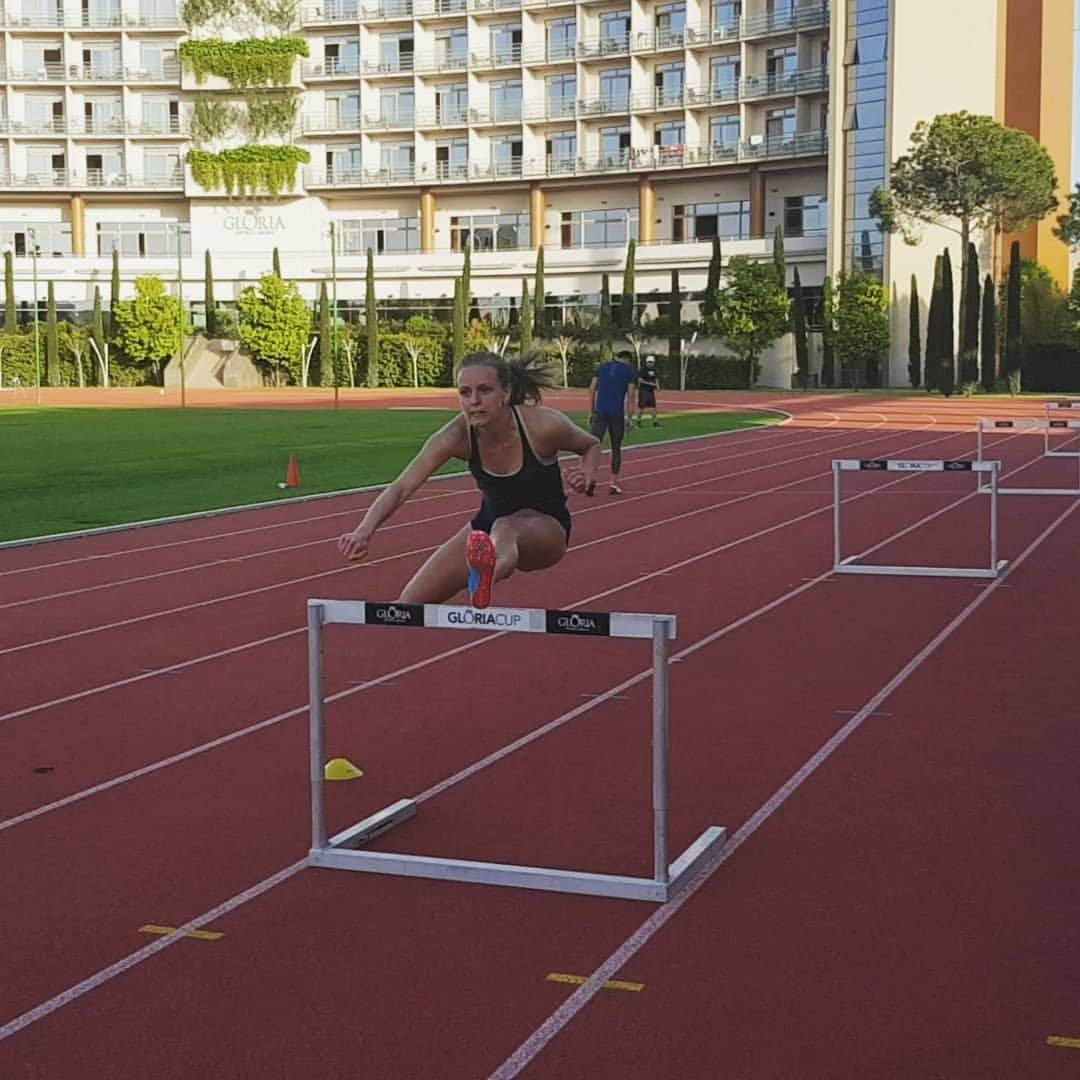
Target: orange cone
(292,476)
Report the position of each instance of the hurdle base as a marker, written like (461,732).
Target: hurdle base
(1031,491)
(340,854)
(850,565)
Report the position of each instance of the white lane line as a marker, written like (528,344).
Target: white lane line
(530,1049)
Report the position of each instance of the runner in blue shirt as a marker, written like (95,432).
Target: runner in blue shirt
(609,402)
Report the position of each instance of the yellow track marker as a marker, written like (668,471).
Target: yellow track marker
(611,984)
(1060,1040)
(200,935)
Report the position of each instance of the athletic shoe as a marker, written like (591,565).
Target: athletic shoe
(614,489)
(480,558)
(591,488)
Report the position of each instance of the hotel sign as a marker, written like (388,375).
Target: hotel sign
(253,223)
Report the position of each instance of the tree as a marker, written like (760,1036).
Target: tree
(1068,224)
(933,329)
(114,296)
(52,342)
(969,319)
(98,346)
(526,318)
(828,334)
(675,333)
(778,256)
(862,325)
(275,322)
(948,327)
(466,275)
(147,327)
(798,324)
(914,348)
(11,316)
(539,296)
(564,343)
(276,262)
(712,280)
(1073,303)
(752,313)
(208,298)
(627,301)
(326,339)
(968,170)
(1013,346)
(989,335)
(457,332)
(371,323)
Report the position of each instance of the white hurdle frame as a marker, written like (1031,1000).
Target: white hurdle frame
(851,564)
(1052,424)
(1031,425)
(343,851)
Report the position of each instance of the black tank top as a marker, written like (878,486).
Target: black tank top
(535,486)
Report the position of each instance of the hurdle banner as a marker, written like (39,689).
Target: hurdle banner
(345,850)
(1030,424)
(852,564)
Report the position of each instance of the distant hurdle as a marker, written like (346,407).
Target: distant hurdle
(1046,426)
(853,565)
(1057,424)
(345,850)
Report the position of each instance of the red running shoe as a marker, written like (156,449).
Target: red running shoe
(480,558)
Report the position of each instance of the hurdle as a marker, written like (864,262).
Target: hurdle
(1030,425)
(1051,407)
(852,565)
(345,850)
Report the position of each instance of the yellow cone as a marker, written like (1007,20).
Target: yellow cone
(340,768)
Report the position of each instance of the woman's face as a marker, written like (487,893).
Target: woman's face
(481,394)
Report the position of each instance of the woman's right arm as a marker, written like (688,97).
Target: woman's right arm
(448,442)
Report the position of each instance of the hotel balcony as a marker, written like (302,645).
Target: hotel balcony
(388,11)
(168,72)
(332,68)
(493,7)
(445,117)
(52,72)
(508,113)
(440,65)
(800,17)
(785,84)
(428,10)
(331,123)
(712,35)
(491,61)
(395,120)
(331,14)
(375,69)
(724,94)
(36,21)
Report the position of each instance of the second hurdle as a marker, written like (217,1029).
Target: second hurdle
(345,850)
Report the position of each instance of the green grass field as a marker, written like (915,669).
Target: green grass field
(63,470)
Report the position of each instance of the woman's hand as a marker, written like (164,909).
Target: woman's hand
(354,545)
(576,479)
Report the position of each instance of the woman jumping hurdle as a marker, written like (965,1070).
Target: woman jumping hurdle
(512,450)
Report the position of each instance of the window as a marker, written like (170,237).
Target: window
(725,16)
(343,163)
(614,31)
(396,160)
(670,134)
(505,97)
(724,74)
(780,126)
(805,215)
(561,151)
(381,234)
(489,232)
(452,158)
(599,228)
(669,80)
(506,43)
(395,53)
(724,132)
(505,151)
(780,62)
(561,95)
(561,38)
(670,25)
(615,88)
(703,221)
(343,110)
(614,144)
(161,165)
(158,114)
(452,104)
(104,165)
(396,107)
(451,48)
(51,238)
(141,239)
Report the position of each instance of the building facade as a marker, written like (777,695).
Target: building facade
(502,125)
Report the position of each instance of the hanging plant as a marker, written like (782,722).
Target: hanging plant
(248,170)
(197,12)
(212,119)
(271,114)
(250,62)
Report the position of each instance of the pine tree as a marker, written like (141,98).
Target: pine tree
(779,260)
(969,325)
(277,262)
(539,296)
(989,335)
(627,304)
(526,318)
(326,339)
(115,295)
(1013,346)
(948,327)
(798,322)
(371,320)
(828,331)
(457,335)
(914,348)
(11,315)
(932,377)
(712,281)
(208,298)
(52,341)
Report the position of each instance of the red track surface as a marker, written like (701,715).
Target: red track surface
(904,907)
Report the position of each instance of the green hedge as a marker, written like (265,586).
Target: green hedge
(251,62)
(1052,368)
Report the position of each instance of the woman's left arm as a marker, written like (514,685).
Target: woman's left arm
(562,434)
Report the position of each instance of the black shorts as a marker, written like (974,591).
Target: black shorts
(646,398)
(486,517)
(613,424)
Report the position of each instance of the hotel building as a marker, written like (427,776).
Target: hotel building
(506,125)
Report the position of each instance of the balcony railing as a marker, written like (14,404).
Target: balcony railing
(169,72)
(429,9)
(812,80)
(153,20)
(390,121)
(172,126)
(332,68)
(388,11)
(800,17)
(481,6)
(33,21)
(604,106)
(52,71)
(96,72)
(443,117)
(712,35)
(502,58)
(330,122)
(505,113)
(602,48)
(402,65)
(722,94)
(101,20)
(329,14)
(551,110)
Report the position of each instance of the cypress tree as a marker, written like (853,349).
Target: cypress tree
(675,334)
(371,318)
(828,329)
(627,305)
(97,335)
(778,256)
(1073,302)
(539,296)
(605,301)
(989,335)
(208,298)
(914,348)
(798,322)
(474,308)
(932,377)
(11,316)
(466,275)
(969,326)
(712,281)
(115,295)
(52,341)
(526,317)
(948,328)
(277,263)
(326,339)
(457,336)
(1013,347)
(512,317)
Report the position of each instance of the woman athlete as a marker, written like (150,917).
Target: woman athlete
(512,450)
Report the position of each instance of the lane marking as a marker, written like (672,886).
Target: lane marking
(611,984)
(1060,1040)
(200,935)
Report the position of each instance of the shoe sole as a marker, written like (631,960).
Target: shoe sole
(480,558)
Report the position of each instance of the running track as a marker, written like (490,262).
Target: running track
(894,760)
